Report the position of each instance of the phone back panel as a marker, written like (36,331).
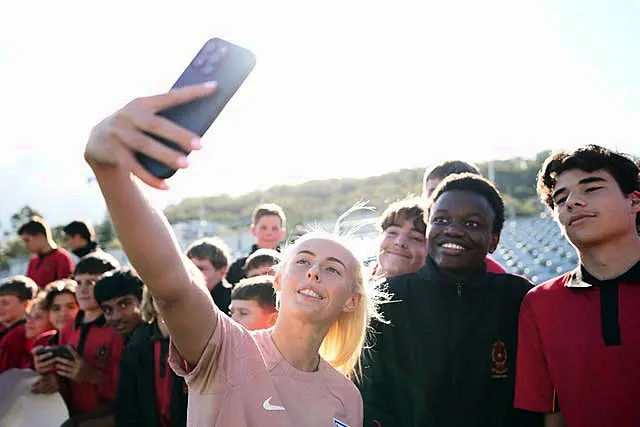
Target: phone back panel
(218,60)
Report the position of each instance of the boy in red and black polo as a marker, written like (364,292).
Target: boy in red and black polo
(149,392)
(89,380)
(16,293)
(49,262)
(579,338)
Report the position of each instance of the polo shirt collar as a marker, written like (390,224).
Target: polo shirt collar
(16,324)
(100,321)
(581,278)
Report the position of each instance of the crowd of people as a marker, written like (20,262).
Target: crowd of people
(298,335)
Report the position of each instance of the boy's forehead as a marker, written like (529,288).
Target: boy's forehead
(244,303)
(9,296)
(269,219)
(463,201)
(116,300)
(85,276)
(573,177)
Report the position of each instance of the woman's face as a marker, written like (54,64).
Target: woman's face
(317,282)
(37,322)
(63,310)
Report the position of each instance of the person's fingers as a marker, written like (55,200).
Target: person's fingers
(64,374)
(175,97)
(145,144)
(61,361)
(144,175)
(73,352)
(161,127)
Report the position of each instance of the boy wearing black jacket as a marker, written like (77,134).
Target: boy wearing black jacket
(149,393)
(447,356)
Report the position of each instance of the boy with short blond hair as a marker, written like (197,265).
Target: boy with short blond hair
(268,226)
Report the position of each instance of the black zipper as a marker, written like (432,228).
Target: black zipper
(456,330)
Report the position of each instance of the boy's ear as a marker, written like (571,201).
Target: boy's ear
(252,228)
(272,318)
(283,233)
(635,201)
(493,244)
(277,282)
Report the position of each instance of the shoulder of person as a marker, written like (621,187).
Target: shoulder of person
(551,287)
(141,334)
(399,284)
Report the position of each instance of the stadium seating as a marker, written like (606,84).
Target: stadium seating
(535,248)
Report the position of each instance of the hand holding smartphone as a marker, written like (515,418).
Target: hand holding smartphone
(56,351)
(218,60)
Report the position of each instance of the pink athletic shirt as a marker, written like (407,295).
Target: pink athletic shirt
(242,380)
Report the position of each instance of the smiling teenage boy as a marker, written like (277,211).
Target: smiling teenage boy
(403,244)
(435,175)
(579,342)
(119,294)
(447,356)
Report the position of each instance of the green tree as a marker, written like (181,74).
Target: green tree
(105,233)
(22,216)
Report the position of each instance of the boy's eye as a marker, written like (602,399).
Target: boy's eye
(560,201)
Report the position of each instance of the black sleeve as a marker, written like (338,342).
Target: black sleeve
(236,271)
(374,384)
(529,419)
(128,406)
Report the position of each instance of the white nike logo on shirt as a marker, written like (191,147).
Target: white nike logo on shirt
(269,407)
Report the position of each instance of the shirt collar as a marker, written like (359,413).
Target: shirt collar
(581,278)
(100,321)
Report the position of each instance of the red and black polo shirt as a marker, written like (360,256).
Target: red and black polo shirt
(13,347)
(101,347)
(579,348)
(44,269)
(163,381)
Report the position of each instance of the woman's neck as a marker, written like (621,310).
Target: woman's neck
(298,342)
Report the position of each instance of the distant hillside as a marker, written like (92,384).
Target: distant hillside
(322,199)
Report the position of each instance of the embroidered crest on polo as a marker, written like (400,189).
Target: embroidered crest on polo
(338,423)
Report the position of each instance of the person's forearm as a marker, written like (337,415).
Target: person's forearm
(144,233)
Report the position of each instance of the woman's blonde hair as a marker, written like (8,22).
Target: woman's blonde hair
(344,342)
(148,310)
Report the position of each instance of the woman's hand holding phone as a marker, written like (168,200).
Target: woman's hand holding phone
(116,140)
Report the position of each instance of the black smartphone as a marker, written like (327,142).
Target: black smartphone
(56,351)
(218,60)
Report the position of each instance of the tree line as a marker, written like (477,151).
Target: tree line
(311,201)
